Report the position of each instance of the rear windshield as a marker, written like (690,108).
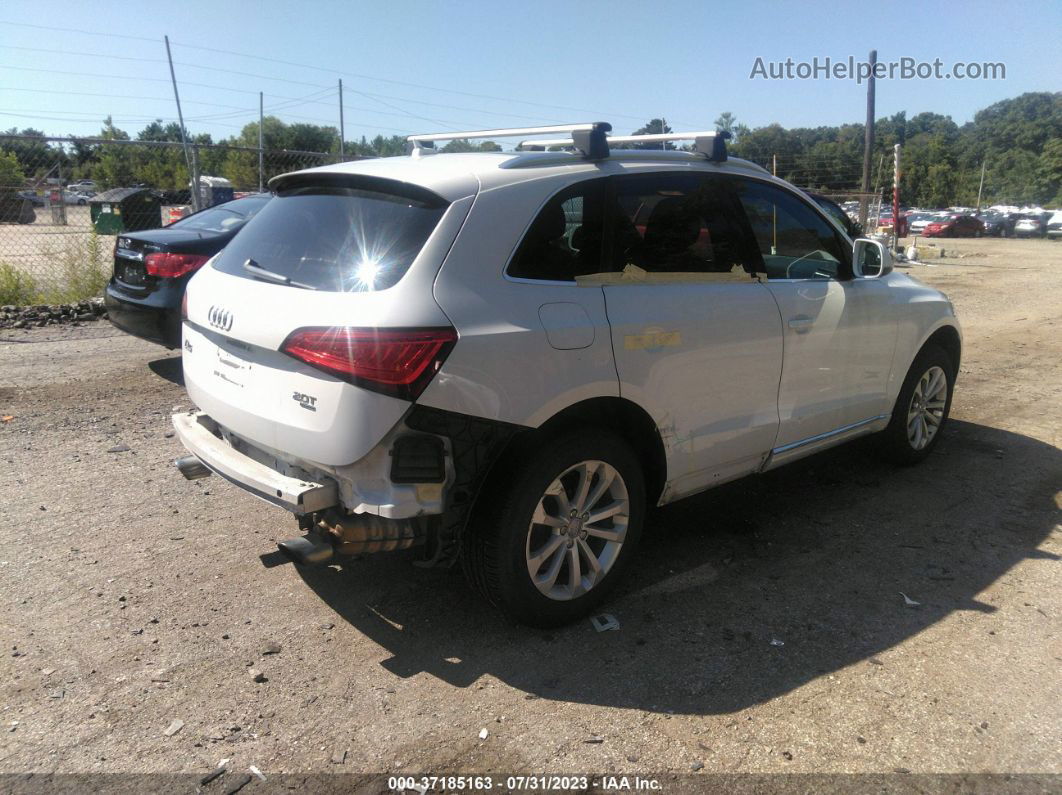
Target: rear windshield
(337,239)
(225,217)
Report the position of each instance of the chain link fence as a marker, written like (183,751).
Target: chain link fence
(63,200)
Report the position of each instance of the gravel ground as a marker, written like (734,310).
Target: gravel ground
(764,630)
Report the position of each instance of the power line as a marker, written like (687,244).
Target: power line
(71,30)
(332,72)
(405,83)
(118,96)
(140,78)
(84,54)
(21,113)
(322,91)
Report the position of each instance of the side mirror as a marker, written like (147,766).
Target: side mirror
(870,259)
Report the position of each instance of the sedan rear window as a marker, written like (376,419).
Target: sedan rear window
(224,217)
(334,238)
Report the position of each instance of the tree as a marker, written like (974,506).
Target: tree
(35,157)
(726,122)
(653,127)
(11,174)
(1049,173)
(465,145)
(1020,139)
(115,165)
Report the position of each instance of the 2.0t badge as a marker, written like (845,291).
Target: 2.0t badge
(308,402)
(220,318)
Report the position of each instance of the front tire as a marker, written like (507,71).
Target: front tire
(558,528)
(921,409)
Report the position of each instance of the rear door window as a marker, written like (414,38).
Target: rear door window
(675,223)
(336,238)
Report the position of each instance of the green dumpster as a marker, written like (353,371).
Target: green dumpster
(125,210)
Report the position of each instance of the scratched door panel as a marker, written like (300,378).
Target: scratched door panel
(704,359)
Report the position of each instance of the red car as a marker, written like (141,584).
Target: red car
(955,226)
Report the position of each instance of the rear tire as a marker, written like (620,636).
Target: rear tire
(540,517)
(921,409)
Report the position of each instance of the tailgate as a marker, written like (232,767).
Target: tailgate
(234,370)
(270,398)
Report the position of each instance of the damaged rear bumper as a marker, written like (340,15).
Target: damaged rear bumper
(418,484)
(199,434)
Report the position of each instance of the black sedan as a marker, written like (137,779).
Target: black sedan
(995,224)
(152,268)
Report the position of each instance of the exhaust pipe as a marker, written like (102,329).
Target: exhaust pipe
(312,549)
(192,468)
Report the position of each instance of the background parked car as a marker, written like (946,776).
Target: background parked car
(834,210)
(955,226)
(152,268)
(994,224)
(33,198)
(76,197)
(1029,226)
(1054,226)
(917,222)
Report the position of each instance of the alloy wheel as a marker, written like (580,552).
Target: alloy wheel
(577,530)
(925,415)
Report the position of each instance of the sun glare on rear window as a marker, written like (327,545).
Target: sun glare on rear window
(335,239)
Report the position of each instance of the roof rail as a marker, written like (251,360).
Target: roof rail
(710,143)
(589,138)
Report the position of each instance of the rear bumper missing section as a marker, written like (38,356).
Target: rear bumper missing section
(197,433)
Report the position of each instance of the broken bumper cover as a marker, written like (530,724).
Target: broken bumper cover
(197,433)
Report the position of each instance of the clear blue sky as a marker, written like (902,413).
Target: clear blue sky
(518,63)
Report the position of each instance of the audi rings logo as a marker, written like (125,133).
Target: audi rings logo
(220,318)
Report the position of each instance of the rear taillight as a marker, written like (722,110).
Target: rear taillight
(167,265)
(396,362)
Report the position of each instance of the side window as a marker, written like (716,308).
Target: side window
(794,241)
(564,241)
(674,223)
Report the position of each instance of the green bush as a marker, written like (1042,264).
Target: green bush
(83,271)
(16,287)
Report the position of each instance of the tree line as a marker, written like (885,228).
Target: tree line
(1018,142)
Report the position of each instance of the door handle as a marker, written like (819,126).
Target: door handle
(801,322)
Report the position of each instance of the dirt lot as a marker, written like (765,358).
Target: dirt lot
(130,598)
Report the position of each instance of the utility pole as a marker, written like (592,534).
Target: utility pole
(261,151)
(342,130)
(981,186)
(184,136)
(774,210)
(868,139)
(895,196)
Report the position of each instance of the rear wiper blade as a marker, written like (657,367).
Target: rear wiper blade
(255,270)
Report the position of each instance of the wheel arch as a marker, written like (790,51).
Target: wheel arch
(948,338)
(627,420)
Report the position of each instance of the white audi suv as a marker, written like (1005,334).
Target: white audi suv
(505,359)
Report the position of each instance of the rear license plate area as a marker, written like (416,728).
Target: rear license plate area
(132,274)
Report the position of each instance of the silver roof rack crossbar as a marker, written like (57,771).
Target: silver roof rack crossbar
(710,143)
(588,137)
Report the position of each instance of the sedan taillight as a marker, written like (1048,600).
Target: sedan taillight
(168,265)
(396,362)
